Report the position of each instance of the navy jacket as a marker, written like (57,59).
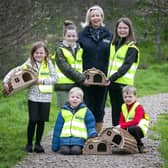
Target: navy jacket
(90,122)
(96,47)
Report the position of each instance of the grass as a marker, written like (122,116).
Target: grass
(14,116)
(161,127)
(13,129)
(152,80)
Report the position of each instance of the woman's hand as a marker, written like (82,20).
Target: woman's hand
(86,83)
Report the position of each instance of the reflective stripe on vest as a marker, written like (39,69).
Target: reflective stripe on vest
(144,122)
(74,125)
(117,59)
(76,63)
(42,74)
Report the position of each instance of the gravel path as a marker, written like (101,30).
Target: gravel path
(154,105)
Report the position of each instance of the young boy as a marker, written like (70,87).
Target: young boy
(133,117)
(75,123)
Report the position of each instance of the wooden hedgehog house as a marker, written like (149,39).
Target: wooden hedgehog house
(21,80)
(121,139)
(95,77)
(97,146)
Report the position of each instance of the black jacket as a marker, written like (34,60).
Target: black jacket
(96,47)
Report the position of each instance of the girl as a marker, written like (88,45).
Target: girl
(39,95)
(124,60)
(75,123)
(68,58)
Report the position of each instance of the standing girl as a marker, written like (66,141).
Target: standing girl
(124,60)
(39,95)
(68,58)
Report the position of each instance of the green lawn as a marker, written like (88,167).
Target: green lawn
(13,129)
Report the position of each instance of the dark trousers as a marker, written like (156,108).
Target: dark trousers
(33,126)
(38,114)
(95,99)
(70,150)
(137,133)
(116,101)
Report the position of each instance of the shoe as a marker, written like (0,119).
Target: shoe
(28,148)
(142,149)
(38,149)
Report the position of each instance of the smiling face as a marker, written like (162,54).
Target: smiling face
(70,36)
(95,18)
(39,54)
(123,30)
(129,97)
(75,98)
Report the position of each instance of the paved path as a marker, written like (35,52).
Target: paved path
(154,105)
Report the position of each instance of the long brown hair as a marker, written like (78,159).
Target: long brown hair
(131,35)
(35,46)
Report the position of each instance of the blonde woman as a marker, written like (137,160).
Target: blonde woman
(95,40)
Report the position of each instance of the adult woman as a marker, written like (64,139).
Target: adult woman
(95,40)
(124,60)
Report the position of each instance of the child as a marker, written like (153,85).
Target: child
(39,95)
(75,123)
(68,58)
(123,63)
(133,117)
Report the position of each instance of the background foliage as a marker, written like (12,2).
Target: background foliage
(26,21)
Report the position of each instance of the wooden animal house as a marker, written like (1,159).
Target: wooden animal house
(121,139)
(95,77)
(21,80)
(97,146)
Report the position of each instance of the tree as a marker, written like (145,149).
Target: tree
(18,19)
(157,10)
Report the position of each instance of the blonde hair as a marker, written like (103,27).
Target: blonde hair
(87,18)
(78,90)
(131,35)
(129,89)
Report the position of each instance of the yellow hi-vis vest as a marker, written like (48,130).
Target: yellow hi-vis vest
(74,125)
(42,74)
(117,59)
(144,122)
(76,63)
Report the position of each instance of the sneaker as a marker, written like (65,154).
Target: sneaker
(38,149)
(28,148)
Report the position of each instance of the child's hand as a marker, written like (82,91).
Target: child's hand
(107,83)
(5,88)
(40,81)
(118,126)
